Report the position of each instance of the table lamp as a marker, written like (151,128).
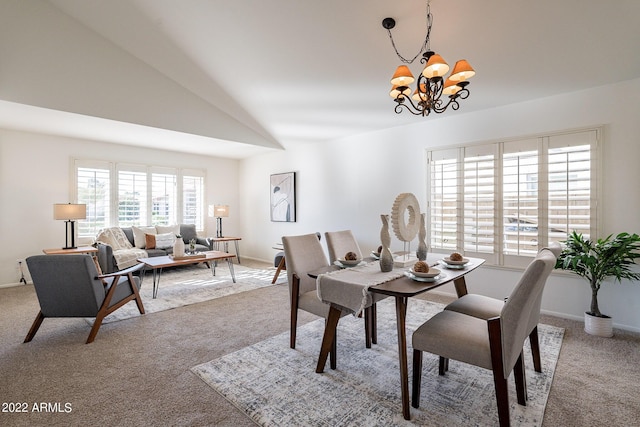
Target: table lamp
(219,212)
(69,212)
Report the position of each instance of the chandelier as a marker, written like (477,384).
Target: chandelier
(431,85)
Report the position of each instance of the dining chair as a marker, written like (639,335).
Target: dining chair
(341,242)
(338,244)
(70,286)
(484,307)
(494,343)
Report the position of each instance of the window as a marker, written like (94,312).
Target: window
(504,201)
(93,189)
(127,195)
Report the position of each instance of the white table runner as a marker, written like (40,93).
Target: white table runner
(349,287)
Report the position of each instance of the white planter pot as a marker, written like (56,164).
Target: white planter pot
(178,248)
(598,326)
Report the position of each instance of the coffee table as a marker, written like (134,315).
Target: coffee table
(157,263)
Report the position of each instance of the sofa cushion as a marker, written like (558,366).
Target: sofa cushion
(165,241)
(139,239)
(188,232)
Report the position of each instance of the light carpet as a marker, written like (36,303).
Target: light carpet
(277,386)
(193,284)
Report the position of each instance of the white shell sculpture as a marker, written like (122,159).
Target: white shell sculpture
(405,231)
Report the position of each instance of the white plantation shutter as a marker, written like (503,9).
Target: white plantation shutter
(193,200)
(132,197)
(93,188)
(164,198)
(479,190)
(504,201)
(444,199)
(571,160)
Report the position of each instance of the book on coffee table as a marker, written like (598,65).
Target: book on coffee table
(188,256)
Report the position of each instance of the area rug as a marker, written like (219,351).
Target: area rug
(277,386)
(193,284)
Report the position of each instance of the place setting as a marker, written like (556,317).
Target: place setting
(455,261)
(421,272)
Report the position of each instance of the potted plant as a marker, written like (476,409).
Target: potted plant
(596,261)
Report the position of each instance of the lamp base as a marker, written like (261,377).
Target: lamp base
(219,228)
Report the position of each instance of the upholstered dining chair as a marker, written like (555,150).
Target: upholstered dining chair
(341,242)
(70,286)
(338,244)
(484,307)
(494,343)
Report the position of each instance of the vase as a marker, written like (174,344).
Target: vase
(421,252)
(598,326)
(178,247)
(386,259)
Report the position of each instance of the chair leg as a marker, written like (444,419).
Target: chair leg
(443,365)
(535,349)
(367,327)
(295,289)
(34,327)
(521,380)
(497,366)
(417,378)
(374,324)
(333,355)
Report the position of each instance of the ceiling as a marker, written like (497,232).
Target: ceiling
(299,72)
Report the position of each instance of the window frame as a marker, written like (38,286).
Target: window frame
(115,168)
(543,143)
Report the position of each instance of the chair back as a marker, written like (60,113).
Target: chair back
(341,242)
(303,253)
(556,249)
(66,285)
(522,306)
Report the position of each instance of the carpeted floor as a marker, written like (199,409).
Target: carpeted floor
(276,385)
(138,370)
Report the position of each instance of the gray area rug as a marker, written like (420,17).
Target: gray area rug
(193,284)
(277,386)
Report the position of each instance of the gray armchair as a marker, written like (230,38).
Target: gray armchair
(70,286)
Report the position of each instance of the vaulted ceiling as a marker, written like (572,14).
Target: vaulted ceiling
(244,77)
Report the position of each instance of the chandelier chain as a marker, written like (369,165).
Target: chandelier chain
(425,45)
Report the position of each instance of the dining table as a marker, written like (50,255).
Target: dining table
(359,287)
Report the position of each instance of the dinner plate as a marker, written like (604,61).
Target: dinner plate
(433,272)
(421,279)
(349,263)
(452,262)
(453,266)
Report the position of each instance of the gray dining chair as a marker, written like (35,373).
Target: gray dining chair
(494,344)
(338,244)
(70,286)
(484,307)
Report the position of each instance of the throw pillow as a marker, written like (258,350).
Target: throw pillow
(150,241)
(138,235)
(165,241)
(163,229)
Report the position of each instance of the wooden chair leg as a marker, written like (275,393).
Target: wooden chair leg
(34,327)
(295,288)
(374,324)
(535,349)
(281,266)
(521,380)
(417,378)
(333,355)
(497,365)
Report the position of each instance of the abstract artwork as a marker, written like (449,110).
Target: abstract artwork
(283,197)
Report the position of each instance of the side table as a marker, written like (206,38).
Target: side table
(74,251)
(217,240)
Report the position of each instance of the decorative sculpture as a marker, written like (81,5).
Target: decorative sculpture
(386,259)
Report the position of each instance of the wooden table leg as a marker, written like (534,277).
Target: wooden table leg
(329,337)
(461,286)
(401,315)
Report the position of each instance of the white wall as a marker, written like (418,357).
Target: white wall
(35,173)
(349,183)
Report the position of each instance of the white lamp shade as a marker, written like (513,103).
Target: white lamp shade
(69,211)
(221,211)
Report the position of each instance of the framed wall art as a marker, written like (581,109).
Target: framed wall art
(283,197)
